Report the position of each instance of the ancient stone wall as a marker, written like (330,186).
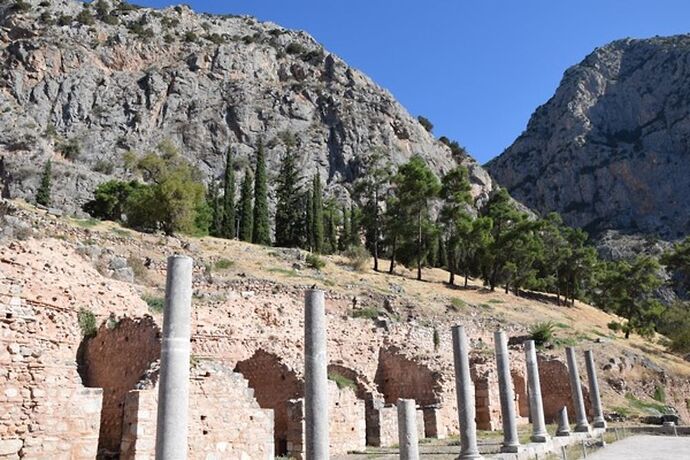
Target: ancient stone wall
(45,412)
(115,360)
(346,430)
(225,421)
(555,388)
(274,384)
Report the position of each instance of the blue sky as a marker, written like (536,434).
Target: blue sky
(476,68)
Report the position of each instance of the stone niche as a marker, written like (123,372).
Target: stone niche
(225,421)
(346,429)
(274,384)
(115,359)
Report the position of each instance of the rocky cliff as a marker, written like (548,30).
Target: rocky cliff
(85,84)
(610,150)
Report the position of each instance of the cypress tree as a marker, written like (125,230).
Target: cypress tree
(308,200)
(260,224)
(344,238)
(288,210)
(43,192)
(216,210)
(355,225)
(245,208)
(317,213)
(228,210)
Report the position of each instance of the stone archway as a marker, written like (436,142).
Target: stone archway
(274,384)
(398,376)
(115,359)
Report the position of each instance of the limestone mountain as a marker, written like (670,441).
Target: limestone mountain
(610,150)
(85,84)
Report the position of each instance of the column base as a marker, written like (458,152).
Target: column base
(540,438)
(470,456)
(599,423)
(582,429)
(510,449)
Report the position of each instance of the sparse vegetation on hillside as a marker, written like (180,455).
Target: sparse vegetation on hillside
(87,323)
(43,192)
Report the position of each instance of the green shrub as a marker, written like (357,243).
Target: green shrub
(542,332)
(341,381)
(425,123)
(70,149)
(86,18)
(224,264)
(104,167)
(314,261)
(190,37)
(64,20)
(367,313)
(295,48)
(156,304)
(110,19)
(659,394)
(87,323)
(21,6)
(138,267)
(358,257)
(110,199)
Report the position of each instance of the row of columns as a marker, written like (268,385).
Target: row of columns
(173,391)
(173,387)
(511,443)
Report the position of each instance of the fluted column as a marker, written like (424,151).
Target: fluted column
(598,421)
(315,377)
(581,424)
(536,407)
(173,386)
(465,395)
(511,443)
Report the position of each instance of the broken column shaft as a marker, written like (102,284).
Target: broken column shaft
(511,442)
(536,407)
(173,386)
(465,395)
(598,421)
(581,424)
(315,377)
(407,429)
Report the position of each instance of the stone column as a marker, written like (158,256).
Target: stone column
(598,421)
(407,429)
(511,442)
(465,395)
(581,424)
(563,424)
(536,407)
(173,385)
(315,377)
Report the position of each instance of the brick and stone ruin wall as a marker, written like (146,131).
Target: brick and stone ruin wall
(67,395)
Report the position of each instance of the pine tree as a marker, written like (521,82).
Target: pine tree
(288,210)
(245,207)
(317,213)
(416,185)
(228,209)
(369,191)
(330,224)
(456,197)
(43,192)
(261,226)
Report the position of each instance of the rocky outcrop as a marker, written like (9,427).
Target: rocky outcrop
(86,88)
(609,151)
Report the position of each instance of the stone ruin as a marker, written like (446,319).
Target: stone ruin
(66,396)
